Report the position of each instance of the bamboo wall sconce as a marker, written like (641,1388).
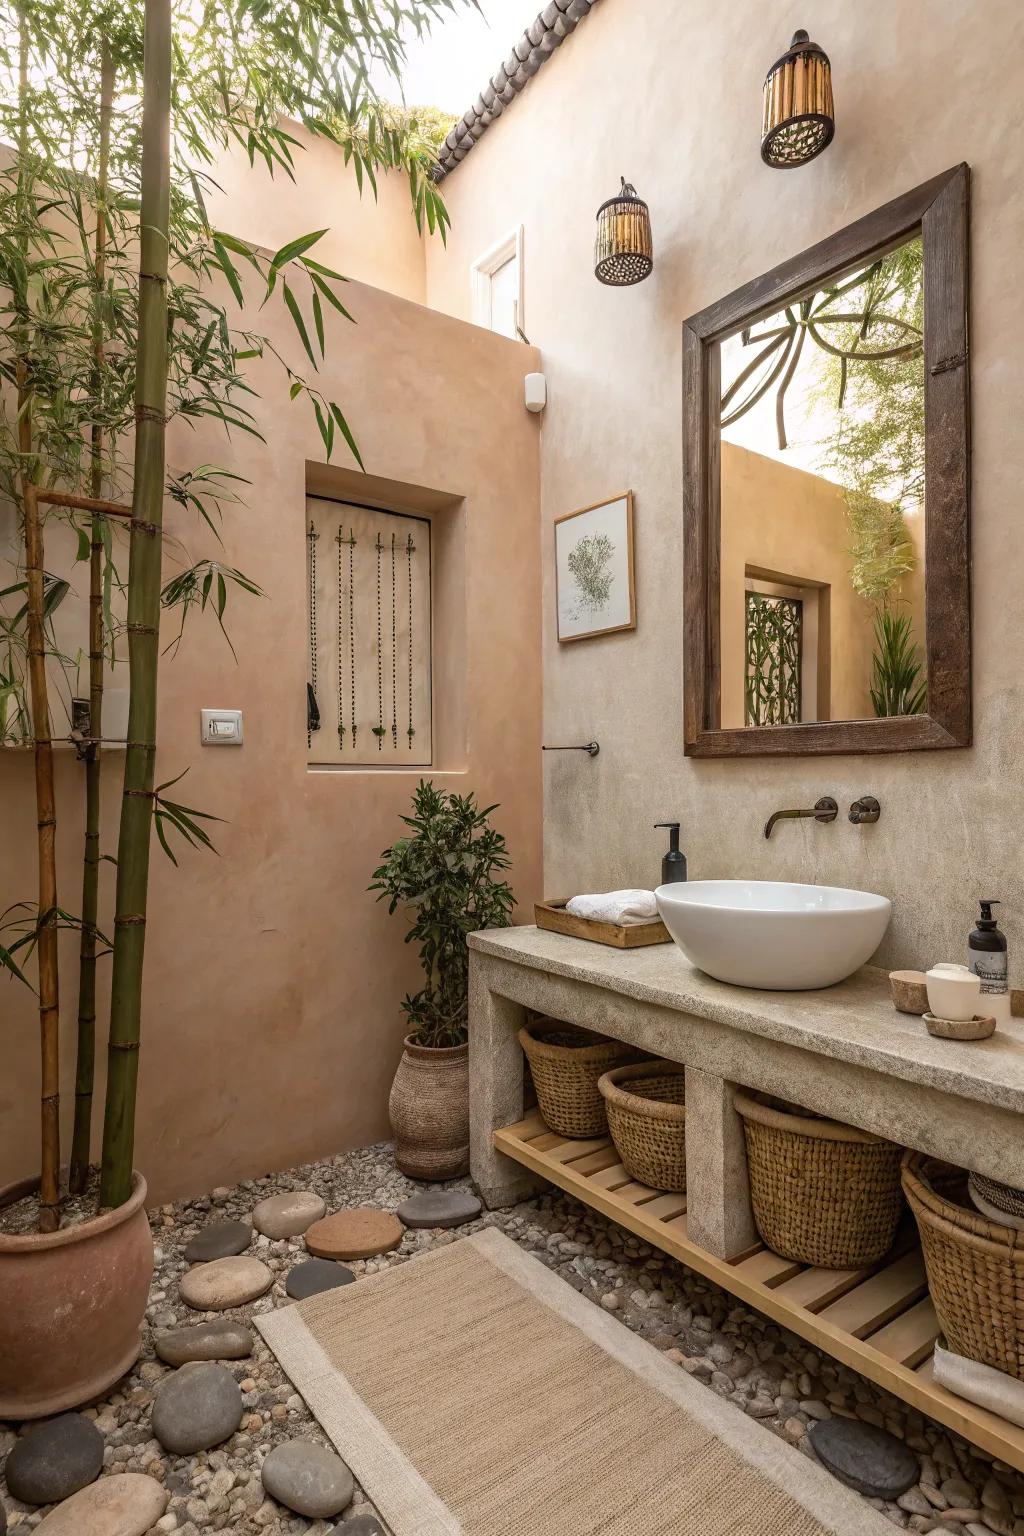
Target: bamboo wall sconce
(798,120)
(624,248)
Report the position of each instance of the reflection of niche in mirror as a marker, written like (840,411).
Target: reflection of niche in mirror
(822,503)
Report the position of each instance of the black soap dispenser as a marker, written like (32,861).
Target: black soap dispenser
(673,865)
(987,958)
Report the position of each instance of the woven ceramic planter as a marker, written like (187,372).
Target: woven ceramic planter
(823,1193)
(566,1063)
(646,1111)
(71,1305)
(429,1109)
(975,1269)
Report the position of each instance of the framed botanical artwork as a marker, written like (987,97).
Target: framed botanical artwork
(594,588)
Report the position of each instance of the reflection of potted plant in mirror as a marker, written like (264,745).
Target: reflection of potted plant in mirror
(444,871)
(896,685)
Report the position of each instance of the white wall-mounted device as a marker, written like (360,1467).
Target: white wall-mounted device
(536,392)
(221,728)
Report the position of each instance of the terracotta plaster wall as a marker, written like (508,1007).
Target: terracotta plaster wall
(273,979)
(371,239)
(681,121)
(790,523)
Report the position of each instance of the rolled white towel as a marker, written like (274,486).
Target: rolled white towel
(616,907)
(980,1384)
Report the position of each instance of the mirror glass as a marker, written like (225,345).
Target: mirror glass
(822,563)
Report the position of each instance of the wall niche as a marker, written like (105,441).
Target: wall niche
(369,649)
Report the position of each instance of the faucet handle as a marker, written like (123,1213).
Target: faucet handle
(865,810)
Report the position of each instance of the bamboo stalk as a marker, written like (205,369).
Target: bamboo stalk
(46,821)
(143,616)
(78,503)
(46,815)
(85,1064)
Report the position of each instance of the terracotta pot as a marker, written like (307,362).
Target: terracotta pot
(71,1304)
(429,1108)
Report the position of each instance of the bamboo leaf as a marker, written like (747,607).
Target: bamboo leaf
(227,267)
(300,324)
(295,248)
(347,434)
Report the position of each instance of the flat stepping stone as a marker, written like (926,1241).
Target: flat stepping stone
(220,1240)
(315,1275)
(864,1457)
(55,1460)
(198,1407)
(128,1504)
(309,1479)
(439,1208)
(362,1525)
(222,1340)
(288,1215)
(224,1283)
(358,1234)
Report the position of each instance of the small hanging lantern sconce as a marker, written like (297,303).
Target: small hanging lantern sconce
(623,250)
(799,116)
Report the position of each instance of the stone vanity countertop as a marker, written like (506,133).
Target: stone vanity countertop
(853,1022)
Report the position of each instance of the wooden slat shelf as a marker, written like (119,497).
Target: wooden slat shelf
(878,1321)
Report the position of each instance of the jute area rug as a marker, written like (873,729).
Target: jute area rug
(474,1393)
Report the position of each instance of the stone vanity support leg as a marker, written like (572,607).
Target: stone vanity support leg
(718,1214)
(495,1092)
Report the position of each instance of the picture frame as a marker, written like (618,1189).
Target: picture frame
(595,589)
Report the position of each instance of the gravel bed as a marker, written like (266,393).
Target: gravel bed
(768,1372)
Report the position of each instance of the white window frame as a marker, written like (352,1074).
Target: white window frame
(482,270)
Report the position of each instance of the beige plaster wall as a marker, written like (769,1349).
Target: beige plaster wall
(273,980)
(790,523)
(372,239)
(682,122)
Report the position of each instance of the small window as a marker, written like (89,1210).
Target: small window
(497,286)
(369,659)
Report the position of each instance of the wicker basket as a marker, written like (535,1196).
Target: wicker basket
(823,1193)
(647,1121)
(566,1063)
(975,1271)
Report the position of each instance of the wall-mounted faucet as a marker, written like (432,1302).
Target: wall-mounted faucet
(865,810)
(824,810)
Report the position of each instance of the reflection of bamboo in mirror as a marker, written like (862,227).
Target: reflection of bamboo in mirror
(312,536)
(409,548)
(779,349)
(379,728)
(394,654)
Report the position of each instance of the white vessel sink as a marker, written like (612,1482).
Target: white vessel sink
(773,935)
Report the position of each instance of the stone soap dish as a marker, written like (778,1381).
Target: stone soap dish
(909,991)
(978,1028)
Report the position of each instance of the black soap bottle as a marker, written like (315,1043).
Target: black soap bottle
(987,958)
(673,865)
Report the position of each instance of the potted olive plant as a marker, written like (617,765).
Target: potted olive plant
(444,872)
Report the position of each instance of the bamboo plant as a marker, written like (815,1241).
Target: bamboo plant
(78,311)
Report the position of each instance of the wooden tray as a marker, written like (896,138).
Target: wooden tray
(553,916)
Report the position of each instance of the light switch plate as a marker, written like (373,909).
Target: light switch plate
(221,728)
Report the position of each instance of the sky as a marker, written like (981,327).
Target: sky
(449,68)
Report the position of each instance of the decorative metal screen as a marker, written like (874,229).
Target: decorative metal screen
(774,642)
(368,668)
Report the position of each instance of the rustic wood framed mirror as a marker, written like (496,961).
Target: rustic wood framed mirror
(826,476)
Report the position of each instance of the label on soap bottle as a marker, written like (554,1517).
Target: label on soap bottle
(991,966)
